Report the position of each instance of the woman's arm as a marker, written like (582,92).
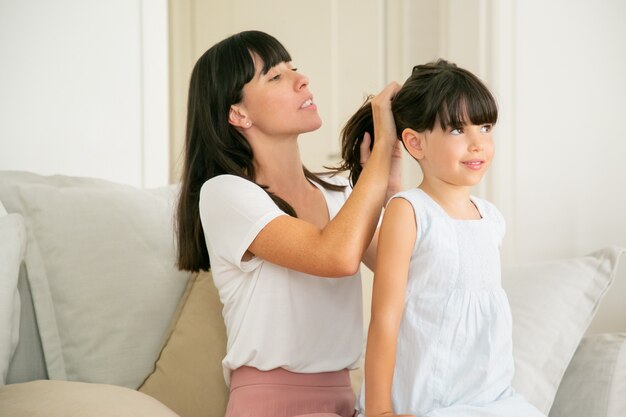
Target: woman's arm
(396,241)
(393,186)
(337,249)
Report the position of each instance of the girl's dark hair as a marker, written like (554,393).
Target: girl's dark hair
(435,91)
(212,145)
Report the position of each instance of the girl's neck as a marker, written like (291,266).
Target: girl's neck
(454,200)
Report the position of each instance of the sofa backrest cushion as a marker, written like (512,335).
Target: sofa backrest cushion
(595,381)
(28,362)
(552,304)
(188,376)
(12,248)
(100,262)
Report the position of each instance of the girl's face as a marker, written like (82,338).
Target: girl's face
(279,102)
(458,156)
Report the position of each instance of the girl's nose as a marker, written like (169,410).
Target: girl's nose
(476,142)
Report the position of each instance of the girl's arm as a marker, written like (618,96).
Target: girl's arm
(395,245)
(337,249)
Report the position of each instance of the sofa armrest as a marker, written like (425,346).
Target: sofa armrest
(595,381)
(77,399)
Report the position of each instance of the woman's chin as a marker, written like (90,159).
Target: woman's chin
(312,127)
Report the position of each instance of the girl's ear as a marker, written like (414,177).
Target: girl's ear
(238,118)
(414,142)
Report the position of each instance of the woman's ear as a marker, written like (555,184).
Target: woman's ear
(238,118)
(414,142)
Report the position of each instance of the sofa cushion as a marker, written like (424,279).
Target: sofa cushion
(595,381)
(77,399)
(101,268)
(12,248)
(28,363)
(552,304)
(188,377)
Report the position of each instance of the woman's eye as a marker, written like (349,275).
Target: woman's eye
(486,128)
(275,77)
(456,131)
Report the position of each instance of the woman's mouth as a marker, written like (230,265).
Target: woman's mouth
(308,103)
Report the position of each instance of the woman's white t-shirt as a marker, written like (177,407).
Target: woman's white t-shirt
(276,317)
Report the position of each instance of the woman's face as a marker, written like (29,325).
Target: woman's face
(279,102)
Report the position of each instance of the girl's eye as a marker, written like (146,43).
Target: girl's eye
(456,131)
(486,128)
(275,77)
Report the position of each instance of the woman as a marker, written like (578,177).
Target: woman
(284,245)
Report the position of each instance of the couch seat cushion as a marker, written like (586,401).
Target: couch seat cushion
(77,399)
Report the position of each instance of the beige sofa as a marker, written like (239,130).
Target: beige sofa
(95,319)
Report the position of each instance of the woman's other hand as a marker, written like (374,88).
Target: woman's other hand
(395,173)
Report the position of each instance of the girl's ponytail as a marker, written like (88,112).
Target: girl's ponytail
(351,139)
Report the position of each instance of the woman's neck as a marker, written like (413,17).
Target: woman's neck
(278,165)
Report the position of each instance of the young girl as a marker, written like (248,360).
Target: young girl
(439,340)
(284,245)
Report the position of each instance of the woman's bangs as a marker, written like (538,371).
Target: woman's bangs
(270,51)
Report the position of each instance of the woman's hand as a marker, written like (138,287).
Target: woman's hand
(384,124)
(395,173)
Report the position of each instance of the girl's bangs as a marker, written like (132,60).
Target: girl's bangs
(470,104)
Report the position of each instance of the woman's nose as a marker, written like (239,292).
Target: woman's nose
(302,81)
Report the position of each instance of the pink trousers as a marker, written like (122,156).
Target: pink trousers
(280,393)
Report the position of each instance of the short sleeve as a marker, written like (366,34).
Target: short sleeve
(415,198)
(497,220)
(233,211)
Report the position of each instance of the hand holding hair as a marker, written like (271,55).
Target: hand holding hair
(384,124)
(371,126)
(395,172)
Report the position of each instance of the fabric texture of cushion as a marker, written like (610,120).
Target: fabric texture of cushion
(595,381)
(77,399)
(28,363)
(12,248)
(100,262)
(552,304)
(188,377)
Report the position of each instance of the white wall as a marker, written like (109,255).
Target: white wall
(569,170)
(83,89)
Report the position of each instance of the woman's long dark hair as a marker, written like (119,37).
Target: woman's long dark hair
(435,91)
(212,145)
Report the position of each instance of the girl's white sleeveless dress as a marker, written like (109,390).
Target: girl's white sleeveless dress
(454,355)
